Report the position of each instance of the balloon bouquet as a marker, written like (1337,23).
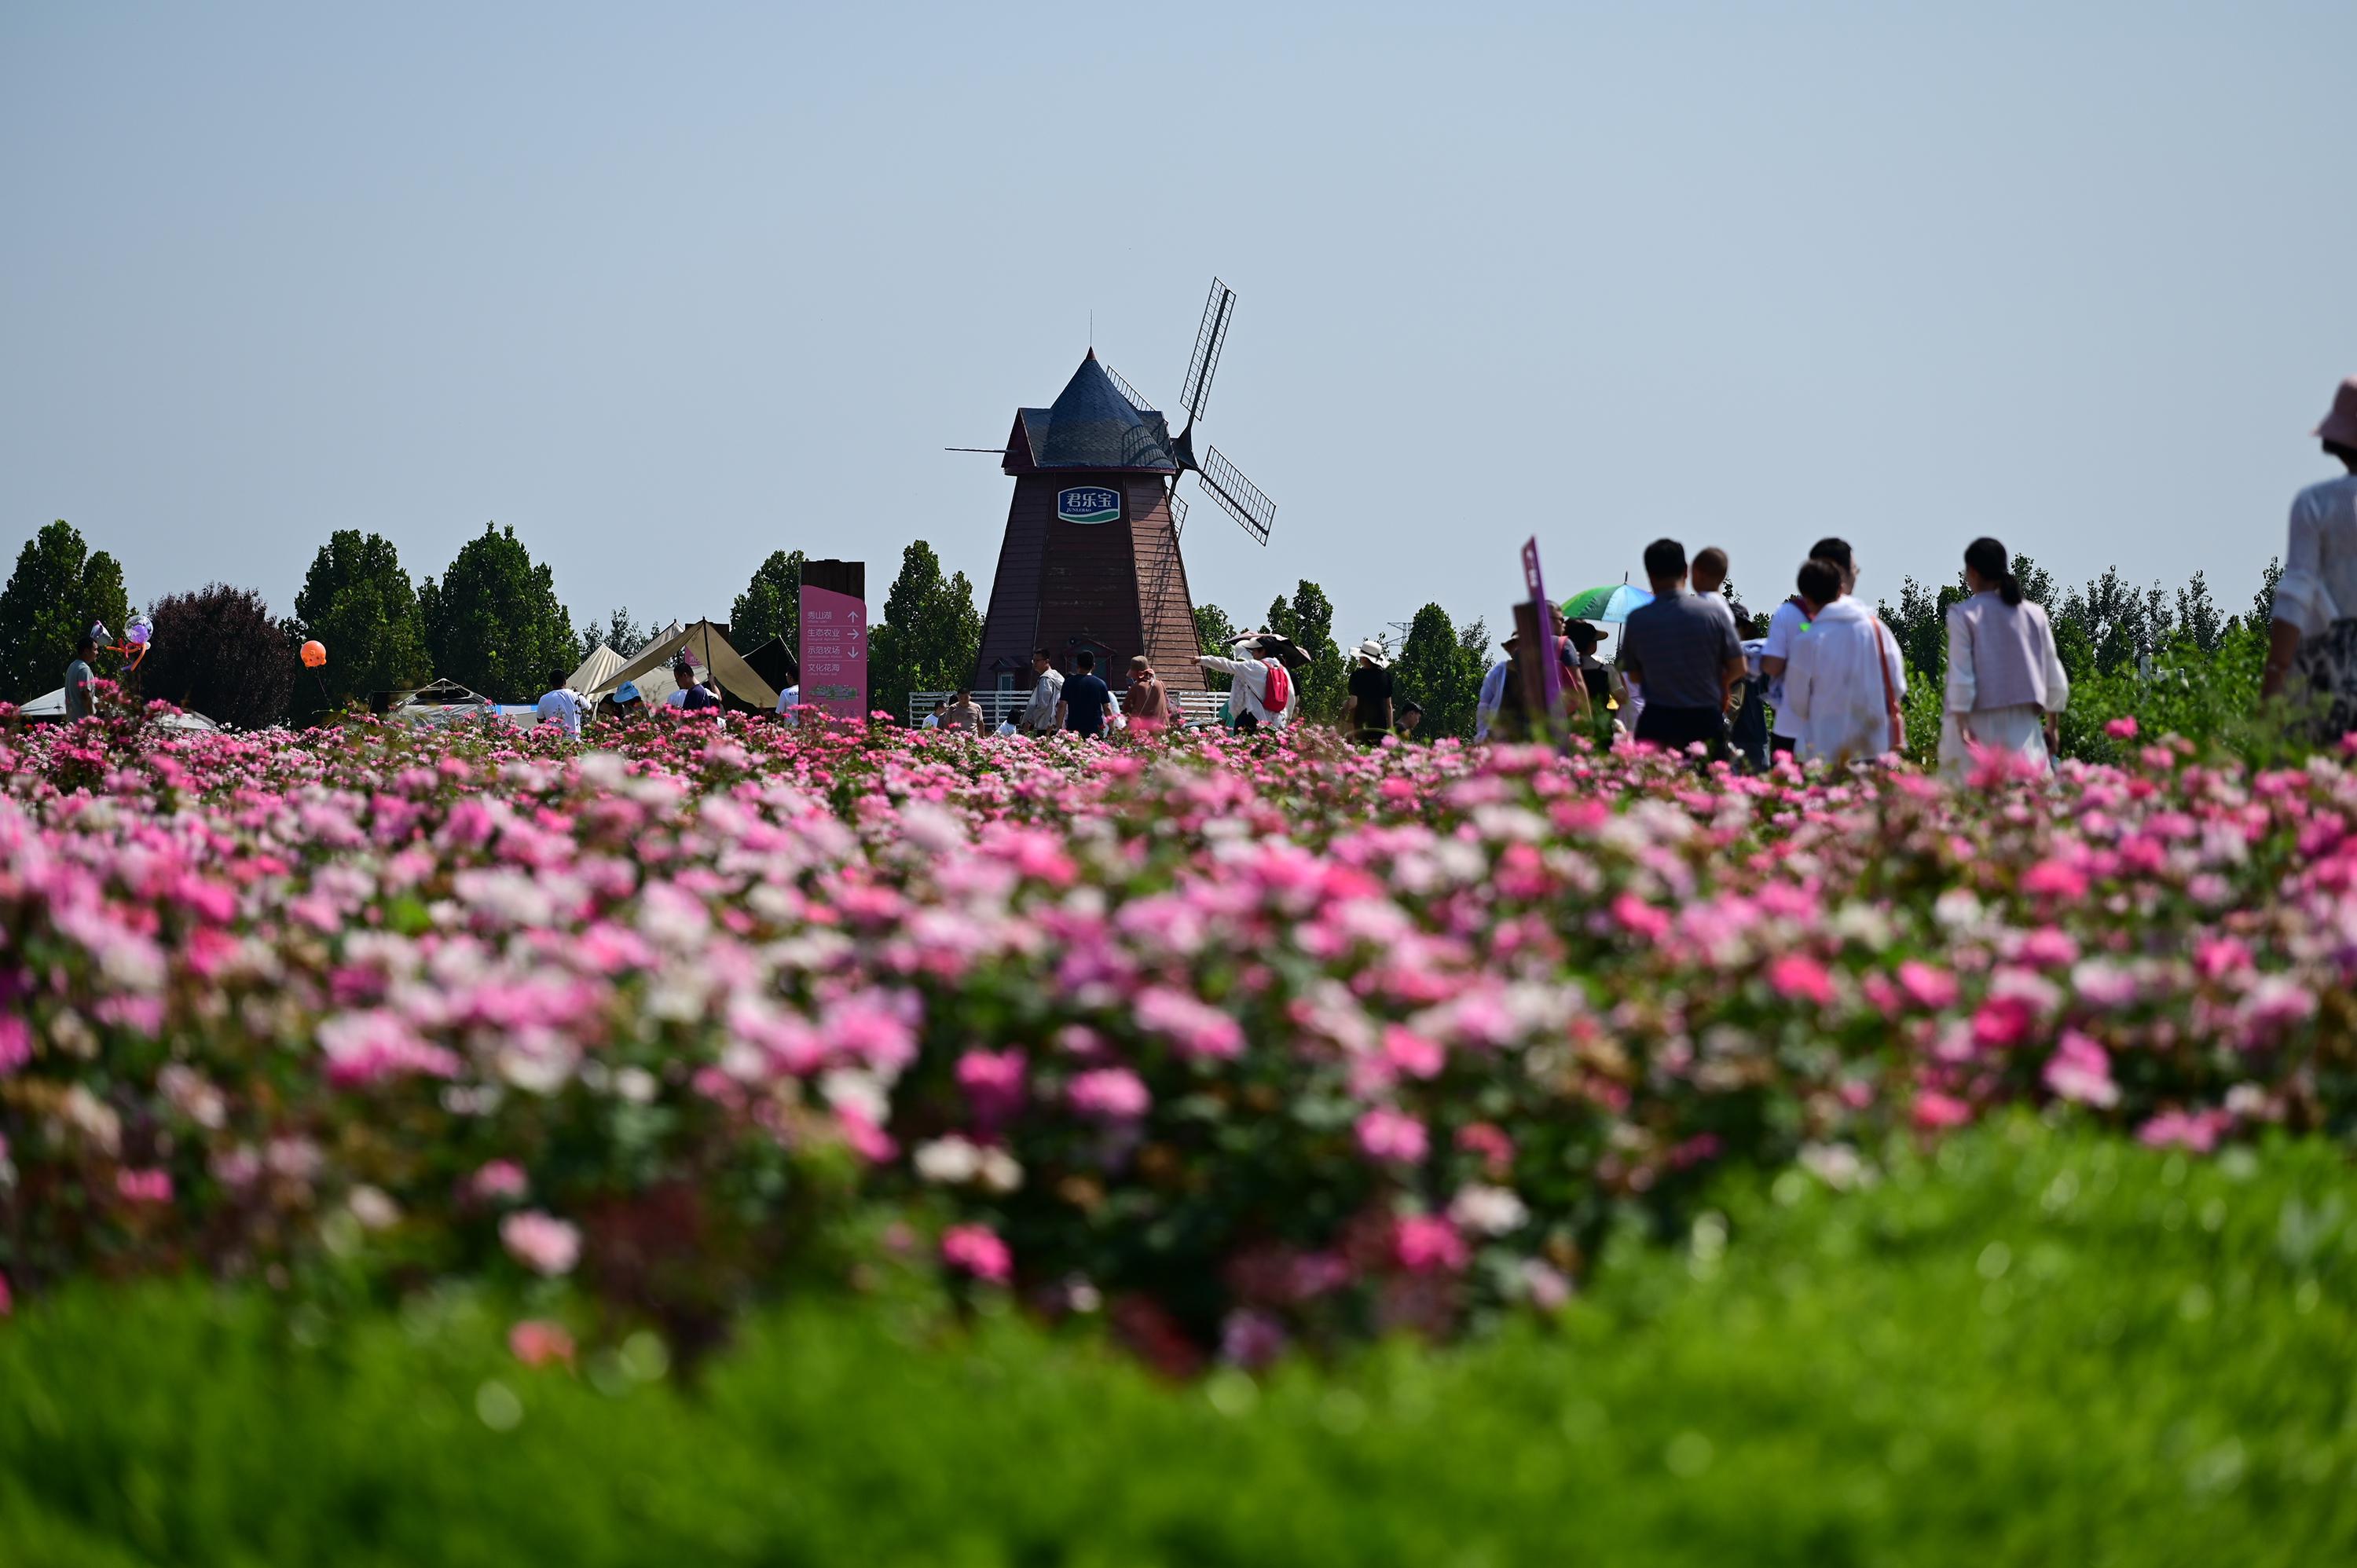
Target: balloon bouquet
(137,633)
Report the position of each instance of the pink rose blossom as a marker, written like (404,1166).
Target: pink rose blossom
(1490,1144)
(2081,1070)
(1391,1135)
(536,1342)
(1426,1244)
(144,1185)
(1412,1054)
(1109,1093)
(1934,1110)
(975,1250)
(497,1180)
(1197,1028)
(2196,1131)
(1928,987)
(1797,977)
(994,1084)
(541,1242)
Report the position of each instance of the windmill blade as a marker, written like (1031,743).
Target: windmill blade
(1210,338)
(1177,514)
(1137,399)
(1245,501)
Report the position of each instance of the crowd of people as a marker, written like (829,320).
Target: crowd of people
(1823,681)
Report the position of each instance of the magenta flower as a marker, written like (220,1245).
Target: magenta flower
(976,1250)
(1109,1093)
(1934,1110)
(1427,1245)
(1392,1136)
(994,1084)
(1413,1055)
(1928,987)
(144,1185)
(1797,977)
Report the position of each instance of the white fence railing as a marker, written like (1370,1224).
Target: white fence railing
(1195,708)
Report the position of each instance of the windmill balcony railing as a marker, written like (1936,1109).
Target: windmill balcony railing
(1195,708)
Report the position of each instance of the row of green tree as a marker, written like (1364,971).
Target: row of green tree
(2176,662)
(491,622)
(1438,665)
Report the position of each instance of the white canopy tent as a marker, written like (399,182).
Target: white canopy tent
(51,706)
(650,668)
(594,670)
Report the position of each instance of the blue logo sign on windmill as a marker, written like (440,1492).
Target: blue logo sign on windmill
(1089,503)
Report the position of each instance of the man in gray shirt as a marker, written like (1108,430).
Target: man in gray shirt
(1039,714)
(79,675)
(1683,648)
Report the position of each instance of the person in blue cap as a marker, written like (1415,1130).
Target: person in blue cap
(627,702)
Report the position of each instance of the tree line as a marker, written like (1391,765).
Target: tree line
(492,620)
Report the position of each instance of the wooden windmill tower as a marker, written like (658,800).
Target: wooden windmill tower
(1090,557)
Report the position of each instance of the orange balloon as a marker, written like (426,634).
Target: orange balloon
(315,654)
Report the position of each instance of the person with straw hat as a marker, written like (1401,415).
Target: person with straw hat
(2312,643)
(1367,708)
(1146,704)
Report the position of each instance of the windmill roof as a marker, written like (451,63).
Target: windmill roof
(1092,425)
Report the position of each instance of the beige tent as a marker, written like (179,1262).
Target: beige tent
(704,644)
(592,672)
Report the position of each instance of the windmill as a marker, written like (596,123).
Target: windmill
(1091,554)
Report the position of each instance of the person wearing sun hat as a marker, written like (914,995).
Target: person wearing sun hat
(1367,711)
(2312,644)
(1146,704)
(625,702)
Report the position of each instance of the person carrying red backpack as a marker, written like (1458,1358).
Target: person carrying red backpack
(1259,691)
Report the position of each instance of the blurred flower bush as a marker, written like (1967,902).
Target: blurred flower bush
(1241,1043)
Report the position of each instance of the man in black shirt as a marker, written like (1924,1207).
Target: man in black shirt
(1082,709)
(1367,708)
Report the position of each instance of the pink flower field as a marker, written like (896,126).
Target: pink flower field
(1242,1044)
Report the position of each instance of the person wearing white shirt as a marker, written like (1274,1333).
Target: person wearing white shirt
(789,703)
(2005,682)
(2312,634)
(1038,715)
(1248,683)
(1845,677)
(1784,627)
(558,705)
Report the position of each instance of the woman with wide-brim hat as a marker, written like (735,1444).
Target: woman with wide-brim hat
(1367,710)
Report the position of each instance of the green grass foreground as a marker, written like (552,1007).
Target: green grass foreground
(2033,1348)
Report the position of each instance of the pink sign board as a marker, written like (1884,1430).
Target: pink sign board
(835,652)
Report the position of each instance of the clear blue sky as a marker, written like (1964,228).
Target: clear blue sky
(669,287)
